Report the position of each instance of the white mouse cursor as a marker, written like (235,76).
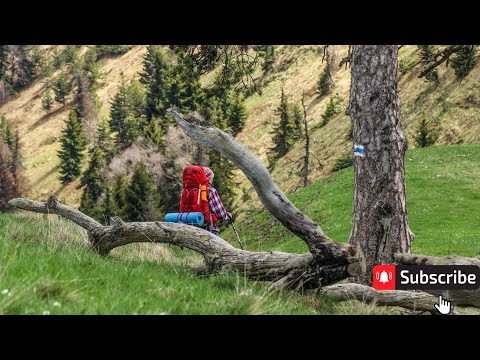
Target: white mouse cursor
(443,306)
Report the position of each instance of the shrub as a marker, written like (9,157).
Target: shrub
(343,162)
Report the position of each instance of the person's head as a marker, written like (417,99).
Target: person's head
(209,174)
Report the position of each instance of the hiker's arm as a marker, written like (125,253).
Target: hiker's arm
(216,205)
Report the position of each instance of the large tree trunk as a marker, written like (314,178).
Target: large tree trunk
(379,221)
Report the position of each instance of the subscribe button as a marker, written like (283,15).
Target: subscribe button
(426,277)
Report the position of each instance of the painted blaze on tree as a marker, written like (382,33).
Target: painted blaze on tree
(380,221)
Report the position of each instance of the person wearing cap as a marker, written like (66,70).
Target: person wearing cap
(216,204)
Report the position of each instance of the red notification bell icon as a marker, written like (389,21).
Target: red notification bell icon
(384,277)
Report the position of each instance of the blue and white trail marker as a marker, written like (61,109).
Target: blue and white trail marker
(358,150)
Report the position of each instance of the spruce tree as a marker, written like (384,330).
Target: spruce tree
(119,196)
(426,134)
(170,186)
(91,69)
(104,141)
(463,61)
(284,132)
(138,194)
(268,58)
(72,146)
(93,183)
(298,119)
(324,81)
(62,88)
(156,78)
(331,110)
(122,119)
(6,132)
(3,61)
(109,207)
(47,100)
(237,115)
(185,91)
(427,53)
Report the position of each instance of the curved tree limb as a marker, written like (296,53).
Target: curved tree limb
(322,248)
(219,255)
(52,206)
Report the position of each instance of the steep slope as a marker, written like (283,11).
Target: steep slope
(443,185)
(39,132)
(453,104)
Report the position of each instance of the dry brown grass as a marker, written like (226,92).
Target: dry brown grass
(297,68)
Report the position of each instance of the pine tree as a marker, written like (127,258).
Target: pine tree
(138,194)
(185,91)
(109,207)
(104,141)
(426,134)
(72,146)
(156,78)
(427,53)
(47,100)
(463,61)
(237,115)
(324,81)
(6,132)
(284,132)
(298,119)
(62,88)
(119,196)
(331,110)
(91,69)
(268,58)
(93,183)
(170,186)
(122,119)
(3,61)
(25,68)
(70,54)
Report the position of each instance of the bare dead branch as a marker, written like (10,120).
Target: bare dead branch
(271,196)
(440,57)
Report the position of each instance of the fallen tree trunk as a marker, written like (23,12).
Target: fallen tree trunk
(417,301)
(219,255)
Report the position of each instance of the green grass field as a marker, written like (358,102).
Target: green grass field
(443,200)
(46,266)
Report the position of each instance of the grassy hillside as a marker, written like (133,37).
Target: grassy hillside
(39,132)
(454,104)
(46,266)
(443,197)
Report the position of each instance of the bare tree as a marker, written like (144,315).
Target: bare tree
(307,143)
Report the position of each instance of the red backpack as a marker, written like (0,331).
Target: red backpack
(194,194)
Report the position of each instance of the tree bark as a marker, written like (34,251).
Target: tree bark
(324,250)
(219,255)
(379,218)
(417,301)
